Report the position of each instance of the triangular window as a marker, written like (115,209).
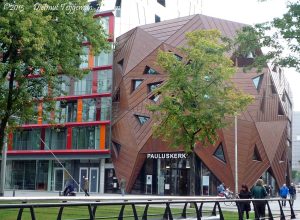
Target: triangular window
(179,58)
(273,89)
(256,155)
(150,71)
(136,83)
(257,81)
(142,119)
(283,157)
(116,97)
(154,98)
(219,153)
(153,86)
(263,101)
(121,63)
(117,147)
(280,109)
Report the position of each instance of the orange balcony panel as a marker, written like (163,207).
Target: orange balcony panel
(102,137)
(79,110)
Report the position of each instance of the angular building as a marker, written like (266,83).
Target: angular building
(148,164)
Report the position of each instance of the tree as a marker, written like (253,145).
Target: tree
(281,37)
(198,95)
(39,42)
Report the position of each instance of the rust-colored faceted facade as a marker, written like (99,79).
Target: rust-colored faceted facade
(149,165)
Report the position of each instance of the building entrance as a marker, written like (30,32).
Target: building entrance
(172,170)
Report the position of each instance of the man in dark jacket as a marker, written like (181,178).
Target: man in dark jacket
(292,192)
(259,192)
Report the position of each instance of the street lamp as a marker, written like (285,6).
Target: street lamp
(235,155)
(3,166)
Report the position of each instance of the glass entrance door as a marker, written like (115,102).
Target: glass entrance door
(58,179)
(83,173)
(94,174)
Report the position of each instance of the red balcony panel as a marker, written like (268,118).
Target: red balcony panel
(104,14)
(56,152)
(106,67)
(69,124)
(89,96)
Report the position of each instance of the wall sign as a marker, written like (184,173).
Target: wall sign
(167,156)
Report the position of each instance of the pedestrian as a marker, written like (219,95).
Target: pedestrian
(268,189)
(259,192)
(245,206)
(123,186)
(86,187)
(292,192)
(283,192)
(221,189)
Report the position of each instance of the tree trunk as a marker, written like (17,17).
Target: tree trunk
(192,174)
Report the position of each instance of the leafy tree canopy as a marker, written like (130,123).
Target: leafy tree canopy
(281,37)
(43,39)
(198,95)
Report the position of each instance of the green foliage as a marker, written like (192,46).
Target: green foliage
(280,37)
(36,38)
(198,94)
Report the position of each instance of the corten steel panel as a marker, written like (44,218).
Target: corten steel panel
(259,125)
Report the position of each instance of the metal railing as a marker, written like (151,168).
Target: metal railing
(165,202)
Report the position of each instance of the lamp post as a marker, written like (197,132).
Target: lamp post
(3,166)
(235,155)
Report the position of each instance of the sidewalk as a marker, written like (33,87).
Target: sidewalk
(224,205)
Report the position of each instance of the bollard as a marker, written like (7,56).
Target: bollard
(14,192)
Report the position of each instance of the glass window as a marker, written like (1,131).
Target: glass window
(136,83)
(157,18)
(64,85)
(27,139)
(256,155)
(84,57)
(105,108)
(83,86)
(219,153)
(55,138)
(142,119)
(153,86)
(66,111)
(103,59)
(116,146)
(179,58)
(149,70)
(257,81)
(154,98)
(162,2)
(85,137)
(104,21)
(104,81)
(89,110)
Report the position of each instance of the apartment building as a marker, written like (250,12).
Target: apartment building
(43,156)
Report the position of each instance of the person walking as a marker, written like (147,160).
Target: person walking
(292,192)
(259,192)
(86,187)
(245,206)
(283,192)
(221,189)
(123,186)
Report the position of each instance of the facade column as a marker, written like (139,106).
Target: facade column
(49,175)
(102,175)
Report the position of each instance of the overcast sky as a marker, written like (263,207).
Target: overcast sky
(251,12)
